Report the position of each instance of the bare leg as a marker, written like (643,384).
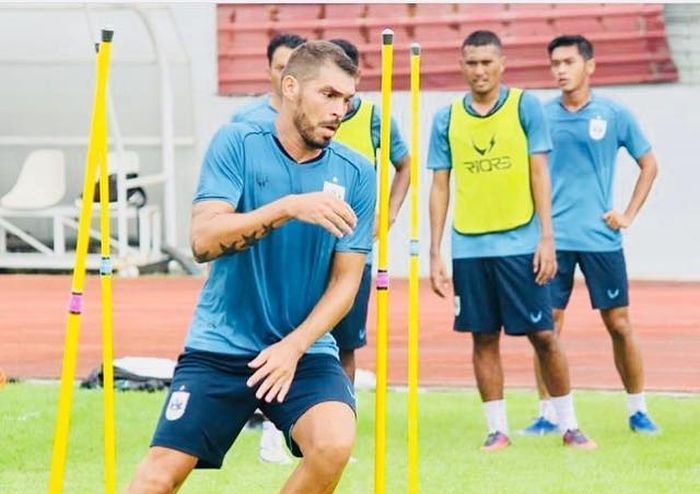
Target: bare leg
(163,471)
(558,327)
(628,358)
(555,370)
(325,434)
(487,366)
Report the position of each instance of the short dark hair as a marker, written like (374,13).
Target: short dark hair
(307,58)
(349,49)
(585,48)
(290,40)
(482,38)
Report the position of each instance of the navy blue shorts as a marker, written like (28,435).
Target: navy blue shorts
(499,292)
(351,331)
(209,402)
(605,274)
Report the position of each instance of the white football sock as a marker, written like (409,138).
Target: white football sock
(636,403)
(496,418)
(564,406)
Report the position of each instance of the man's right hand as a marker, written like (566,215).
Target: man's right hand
(438,275)
(323,209)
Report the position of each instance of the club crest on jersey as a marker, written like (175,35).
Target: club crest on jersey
(177,404)
(597,128)
(334,188)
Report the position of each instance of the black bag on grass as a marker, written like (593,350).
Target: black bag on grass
(135,374)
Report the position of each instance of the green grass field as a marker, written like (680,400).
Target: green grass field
(451,429)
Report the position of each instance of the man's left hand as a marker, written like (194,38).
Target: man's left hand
(544,261)
(616,220)
(275,366)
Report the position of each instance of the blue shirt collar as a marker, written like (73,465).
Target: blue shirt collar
(268,97)
(502,95)
(560,100)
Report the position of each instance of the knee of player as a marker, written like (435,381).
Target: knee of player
(158,474)
(618,325)
(153,480)
(486,343)
(544,341)
(558,316)
(331,454)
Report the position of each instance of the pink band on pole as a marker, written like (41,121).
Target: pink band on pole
(75,305)
(382,280)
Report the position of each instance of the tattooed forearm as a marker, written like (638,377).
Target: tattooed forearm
(202,256)
(244,242)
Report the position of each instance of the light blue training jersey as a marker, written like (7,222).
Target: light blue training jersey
(254,298)
(521,240)
(258,110)
(582,164)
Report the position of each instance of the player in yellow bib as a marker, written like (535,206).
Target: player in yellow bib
(492,171)
(495,141)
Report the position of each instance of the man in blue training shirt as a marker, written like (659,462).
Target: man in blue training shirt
(588,131)
(265,108)
(495,141)
(286,216)
(360,131)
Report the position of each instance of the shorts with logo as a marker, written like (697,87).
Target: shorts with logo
(500,292)
(209,402)
(605,274)
(351,331)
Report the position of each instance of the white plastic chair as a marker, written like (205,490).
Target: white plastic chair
(130,163)
(41,182)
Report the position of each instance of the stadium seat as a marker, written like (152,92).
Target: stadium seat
(338,11)
(634,30)
(243,65)
(481,9)
(423,10)
(468,26)
(295,12)
(529,27)
(246,13)
(41,182)
(585,25)
(128,161)
(628,23)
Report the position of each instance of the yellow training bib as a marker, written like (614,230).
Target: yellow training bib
(491,165)
(356,132)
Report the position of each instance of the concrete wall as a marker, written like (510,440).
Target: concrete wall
(683,34)
(662,244)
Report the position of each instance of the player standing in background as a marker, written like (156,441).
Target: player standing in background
(496,141)
(587,132)
(266,108)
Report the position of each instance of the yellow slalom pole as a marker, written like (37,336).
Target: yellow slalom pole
(65,399)
(106,284)
(382,272)
(413,280)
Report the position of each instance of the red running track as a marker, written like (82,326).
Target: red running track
(151,315)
